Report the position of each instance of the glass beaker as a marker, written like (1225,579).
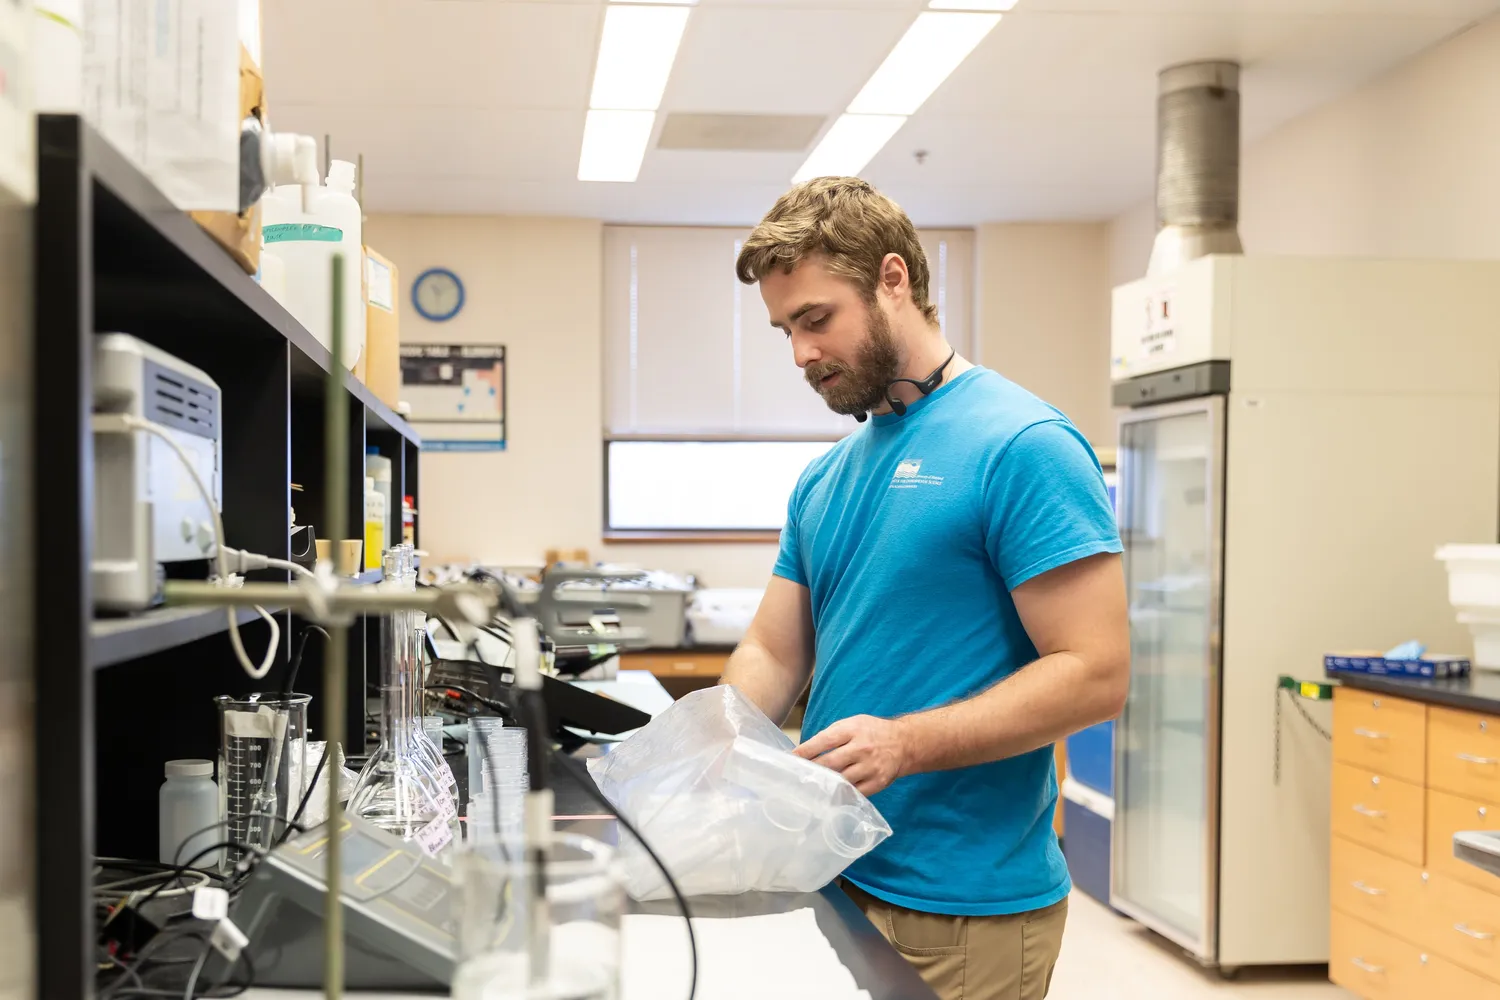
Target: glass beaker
(262,761)
(585,898)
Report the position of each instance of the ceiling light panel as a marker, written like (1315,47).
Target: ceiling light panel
(635,56)
(931,49)
(849,146)
(614,143)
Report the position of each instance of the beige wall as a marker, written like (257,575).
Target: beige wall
(1044,315)
(1407,166)
(533,285)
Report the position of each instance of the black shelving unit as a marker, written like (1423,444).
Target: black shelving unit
(116,697)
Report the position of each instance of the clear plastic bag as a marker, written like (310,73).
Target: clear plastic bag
(713,786)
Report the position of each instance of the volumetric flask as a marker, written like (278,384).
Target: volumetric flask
(585,897)
(262,761)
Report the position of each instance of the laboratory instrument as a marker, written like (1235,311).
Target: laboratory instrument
(146,510)
(262,761)
(405,787)
(398,903)
(187,812)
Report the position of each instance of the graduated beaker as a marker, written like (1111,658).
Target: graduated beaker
(262,761)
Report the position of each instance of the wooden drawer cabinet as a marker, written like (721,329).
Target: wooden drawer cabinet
(1462,924)
(1377,889)
(1380,812)
(1463,753)
(1372,963)
(1380,734)
(1409,920)
(1447,814)
(1443,980)
(677,664)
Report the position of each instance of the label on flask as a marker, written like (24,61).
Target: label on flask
(435,836)
(301,232)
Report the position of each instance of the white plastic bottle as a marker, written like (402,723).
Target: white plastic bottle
(305,237)
(187,809)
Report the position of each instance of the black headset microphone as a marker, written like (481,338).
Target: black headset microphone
(925,385)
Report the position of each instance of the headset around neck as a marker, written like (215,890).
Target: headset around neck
(926,386)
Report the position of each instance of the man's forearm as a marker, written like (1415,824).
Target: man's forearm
(770,684)
(1040,704)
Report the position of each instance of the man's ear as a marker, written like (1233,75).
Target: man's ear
(894,280)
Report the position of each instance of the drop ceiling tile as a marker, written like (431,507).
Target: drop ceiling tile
(504,146)
(430,53)
(782,60)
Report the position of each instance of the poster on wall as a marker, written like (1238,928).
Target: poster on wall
(457,395)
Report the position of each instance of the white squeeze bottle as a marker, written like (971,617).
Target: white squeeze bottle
(305,241)
(188,808)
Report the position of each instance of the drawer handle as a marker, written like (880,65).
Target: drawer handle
(1364,966)
(1368,890)
(1471,932)
(1470,758)
(1371,734)
(1370,813)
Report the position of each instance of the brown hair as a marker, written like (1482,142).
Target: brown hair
(850,224)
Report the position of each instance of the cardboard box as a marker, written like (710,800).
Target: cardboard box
(240,234)
(381,358)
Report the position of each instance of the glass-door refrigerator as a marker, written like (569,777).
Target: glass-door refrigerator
(1170,509)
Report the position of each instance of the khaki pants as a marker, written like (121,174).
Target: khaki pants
(973,958)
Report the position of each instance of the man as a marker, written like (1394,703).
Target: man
(953,569)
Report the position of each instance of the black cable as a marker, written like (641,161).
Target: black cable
(499,708)
(296,664)
(581,774)
(307,795)
(187,866)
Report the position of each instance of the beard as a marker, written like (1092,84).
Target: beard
(862,386)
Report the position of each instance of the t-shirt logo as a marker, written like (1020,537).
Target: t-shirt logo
(909,475)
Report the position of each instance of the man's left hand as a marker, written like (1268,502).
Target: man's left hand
(869,751)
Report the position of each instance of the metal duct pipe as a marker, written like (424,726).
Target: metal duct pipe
(1197,163)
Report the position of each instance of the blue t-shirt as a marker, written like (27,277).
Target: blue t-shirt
(910,535)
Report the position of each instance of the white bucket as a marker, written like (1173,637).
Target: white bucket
(1473,575)
(1484,623)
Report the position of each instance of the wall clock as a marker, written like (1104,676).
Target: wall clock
(437,294)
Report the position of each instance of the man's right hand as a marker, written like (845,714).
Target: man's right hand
(773,662)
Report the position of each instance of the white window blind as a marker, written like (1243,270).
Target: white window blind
(689,350)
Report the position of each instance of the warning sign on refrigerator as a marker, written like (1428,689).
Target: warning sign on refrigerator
(1160,336)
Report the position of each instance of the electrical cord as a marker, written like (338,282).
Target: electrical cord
(296,664)
(499,708)
(307,795)
(581,775)
(220,556)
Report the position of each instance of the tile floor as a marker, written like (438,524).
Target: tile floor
(1109,957)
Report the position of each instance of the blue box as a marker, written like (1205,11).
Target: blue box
(1432,667)
(1091,757)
